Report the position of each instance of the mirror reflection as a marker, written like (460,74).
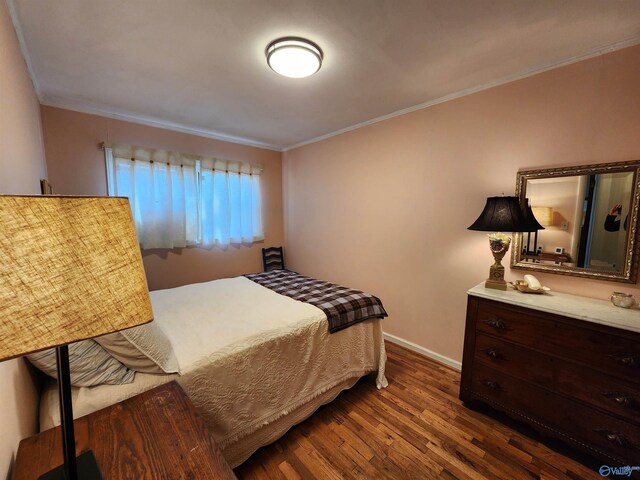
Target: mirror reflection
(587,219)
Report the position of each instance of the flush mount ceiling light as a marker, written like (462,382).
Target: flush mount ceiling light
(294,57)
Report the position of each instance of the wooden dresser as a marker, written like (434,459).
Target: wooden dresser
(568,366)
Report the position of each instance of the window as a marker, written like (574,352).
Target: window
(180,200)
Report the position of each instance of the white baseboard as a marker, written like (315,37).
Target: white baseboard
(423,351)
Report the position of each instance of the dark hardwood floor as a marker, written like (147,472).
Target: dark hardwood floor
(416,428)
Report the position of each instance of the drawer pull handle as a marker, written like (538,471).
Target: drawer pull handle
(628,359)
(496,323)
(621,399)
(493,353)
(491,384)
(615,437)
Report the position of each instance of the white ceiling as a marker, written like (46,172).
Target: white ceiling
(199,65)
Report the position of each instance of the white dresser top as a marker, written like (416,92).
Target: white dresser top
(574,306)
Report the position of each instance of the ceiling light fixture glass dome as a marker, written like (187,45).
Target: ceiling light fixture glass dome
(294,57)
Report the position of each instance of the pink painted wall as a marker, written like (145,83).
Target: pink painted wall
(385,208)
(76,166)
(22,165)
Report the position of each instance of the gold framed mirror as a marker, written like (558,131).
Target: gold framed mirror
(590,219)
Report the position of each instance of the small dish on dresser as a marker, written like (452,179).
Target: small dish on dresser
(622,300)
(524,287)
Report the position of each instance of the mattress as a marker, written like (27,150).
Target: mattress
(253,362)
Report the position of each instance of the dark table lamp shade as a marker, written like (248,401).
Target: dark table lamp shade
(531,224)
(70,269)
(500,214)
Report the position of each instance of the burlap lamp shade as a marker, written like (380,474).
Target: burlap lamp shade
(70,269)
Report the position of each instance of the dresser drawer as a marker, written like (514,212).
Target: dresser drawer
(562,337)
(515,360)
(573,379)
(558,416)
(612,394)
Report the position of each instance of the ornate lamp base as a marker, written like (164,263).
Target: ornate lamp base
(496,278)
(499,247)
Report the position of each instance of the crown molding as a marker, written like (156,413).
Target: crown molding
(13,13)
(485,86)
(85,107)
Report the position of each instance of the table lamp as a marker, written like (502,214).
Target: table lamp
(70,270)
(500,214)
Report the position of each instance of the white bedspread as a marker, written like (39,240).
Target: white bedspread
(248,357)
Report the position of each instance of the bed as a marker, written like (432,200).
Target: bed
(254,362)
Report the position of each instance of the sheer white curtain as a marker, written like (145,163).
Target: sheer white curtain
(231,207)
(180,200)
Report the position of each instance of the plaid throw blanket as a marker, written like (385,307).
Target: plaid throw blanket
(343,306)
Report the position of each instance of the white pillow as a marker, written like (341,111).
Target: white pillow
(89,365)
(143,349)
